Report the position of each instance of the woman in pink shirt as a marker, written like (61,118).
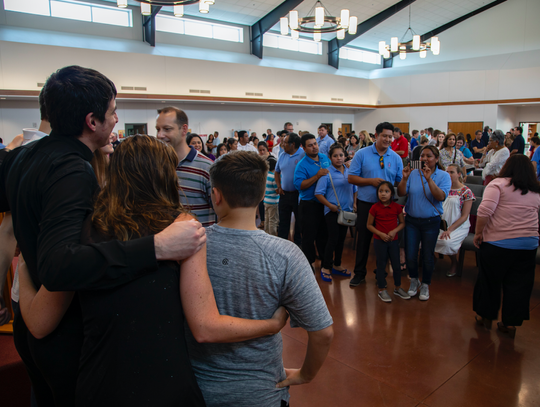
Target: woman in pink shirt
(507,235)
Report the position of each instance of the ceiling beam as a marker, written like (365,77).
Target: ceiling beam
(334,45)
(446,26)
(258,29)
(149,26)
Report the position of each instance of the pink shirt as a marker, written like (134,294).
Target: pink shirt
(509,213)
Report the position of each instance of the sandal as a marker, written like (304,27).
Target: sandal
(344,273)
(510,331)
(326,277)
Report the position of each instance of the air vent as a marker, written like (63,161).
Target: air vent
(253,94)
(143,88)
(337,99)
(299,97)
(126,87)
(199,91)
(40,84)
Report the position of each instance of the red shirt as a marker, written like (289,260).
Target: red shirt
(386,217)
(401,144)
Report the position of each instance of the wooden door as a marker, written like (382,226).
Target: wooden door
(465,127)
(404,127)
(346,128)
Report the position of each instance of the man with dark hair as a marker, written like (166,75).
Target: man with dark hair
(288,127)
(243,142)
(308,171)
(284,176)
(49,186)
(400,144)
(518,145)
(324,141)
(369,167)
(250,283)
(478,146)
(193,167)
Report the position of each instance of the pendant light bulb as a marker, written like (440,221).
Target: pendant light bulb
(284,25)
(146,9)
(394,44)
(402,55)
(353,25)
(423,53)
(319,16)
(341,34)
(121,3)
(204,7)
(295,34)
(293,19)
(382,47)
(178,10)
(344,18)
(316,37)
(416,43)
(435,45)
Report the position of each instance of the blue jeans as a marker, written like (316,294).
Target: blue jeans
(425,231)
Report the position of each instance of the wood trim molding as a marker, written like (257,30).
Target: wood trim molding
(158,97)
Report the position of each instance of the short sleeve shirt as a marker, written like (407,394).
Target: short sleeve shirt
(401,144)
(518,144)
(325,144)
(536,158)
(386,217)
(345,191)
(446,158)
(465,194)
(307,168)
(417,204)
(477,144)
(286,165)
(367,164)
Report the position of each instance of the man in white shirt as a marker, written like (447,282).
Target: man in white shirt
(243,142)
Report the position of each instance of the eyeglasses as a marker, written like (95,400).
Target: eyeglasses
(381,162)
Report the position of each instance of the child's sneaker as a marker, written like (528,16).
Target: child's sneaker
(383,295)
(400,292)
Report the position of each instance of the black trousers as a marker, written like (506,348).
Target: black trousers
(363,237)
(261,211)
(313,229)
(288,204)
(336,238)
(384,251)
(509,270)
(52,362)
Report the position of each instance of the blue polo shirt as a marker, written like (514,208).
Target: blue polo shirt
(536,158)
(366,164)
(417,204)
(414,143)
(306,169)
(345,191)
(466,152)
(325,144)
(285,166)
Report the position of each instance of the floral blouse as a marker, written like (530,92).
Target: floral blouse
(465,194)
(446,158)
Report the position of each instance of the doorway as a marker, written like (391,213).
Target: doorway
(466,127)
(136,128)
(404,127)
(330,127)
(346,128)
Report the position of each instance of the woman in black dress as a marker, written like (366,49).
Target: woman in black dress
(134,350)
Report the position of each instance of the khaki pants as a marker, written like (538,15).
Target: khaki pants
(271,219)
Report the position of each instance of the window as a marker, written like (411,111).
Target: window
(72,10)
(290,44)
(198,28)
(355,54)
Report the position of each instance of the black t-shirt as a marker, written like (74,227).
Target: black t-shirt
(477,144)
(518,144)
(134,351)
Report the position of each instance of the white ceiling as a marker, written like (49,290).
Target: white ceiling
(426,15)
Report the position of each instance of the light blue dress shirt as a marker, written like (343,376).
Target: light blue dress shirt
(345,191)
(325,144)
(366,164)
(285,166)
(306,169)
(417,204)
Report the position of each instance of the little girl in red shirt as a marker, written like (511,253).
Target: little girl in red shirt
(383,223)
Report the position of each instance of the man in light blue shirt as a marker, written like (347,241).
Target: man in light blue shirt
(308,171)
(284,177)
(324,140)
(369,167)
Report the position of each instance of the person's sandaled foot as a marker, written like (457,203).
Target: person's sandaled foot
(326,276)
(343,272)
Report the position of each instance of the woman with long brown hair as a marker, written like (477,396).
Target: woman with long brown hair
(134,350)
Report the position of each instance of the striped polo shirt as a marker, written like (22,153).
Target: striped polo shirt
(194,177)
(271,196)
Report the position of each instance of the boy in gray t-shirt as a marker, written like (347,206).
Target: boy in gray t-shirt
(252,274)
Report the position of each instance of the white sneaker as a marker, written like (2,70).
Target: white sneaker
(424,292)
(413,288)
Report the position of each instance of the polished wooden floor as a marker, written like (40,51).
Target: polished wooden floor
(414,353)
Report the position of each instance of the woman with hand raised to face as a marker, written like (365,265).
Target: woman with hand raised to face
(426,189)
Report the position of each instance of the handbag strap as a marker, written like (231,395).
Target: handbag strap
(455,154)
(334,188)
(424,188)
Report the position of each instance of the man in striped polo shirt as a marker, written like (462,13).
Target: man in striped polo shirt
(193,168)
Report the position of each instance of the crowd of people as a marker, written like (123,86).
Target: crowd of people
(101,224)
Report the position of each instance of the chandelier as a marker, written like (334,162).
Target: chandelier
(317,22)
(146,5)
(414,45)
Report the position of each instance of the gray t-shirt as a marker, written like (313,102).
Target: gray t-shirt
(252,274)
